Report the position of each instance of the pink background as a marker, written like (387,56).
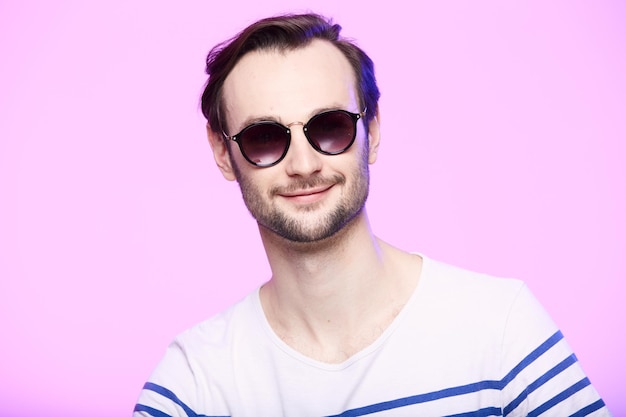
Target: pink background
(504,131)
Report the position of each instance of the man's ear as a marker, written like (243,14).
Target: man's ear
(374,137)
(220,153)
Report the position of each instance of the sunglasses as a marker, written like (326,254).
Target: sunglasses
(265,143)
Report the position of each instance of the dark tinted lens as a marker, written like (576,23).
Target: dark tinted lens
(264,143)
(331,132)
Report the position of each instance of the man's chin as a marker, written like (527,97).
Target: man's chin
(302,236)
(313,231)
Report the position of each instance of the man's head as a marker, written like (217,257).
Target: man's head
(283,33)
(283,88)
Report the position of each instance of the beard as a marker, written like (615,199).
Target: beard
(304,225)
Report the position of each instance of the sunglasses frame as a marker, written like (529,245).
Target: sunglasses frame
(287,129)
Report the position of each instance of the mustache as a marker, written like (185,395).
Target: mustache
(302,184)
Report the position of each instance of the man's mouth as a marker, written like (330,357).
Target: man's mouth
(306,195)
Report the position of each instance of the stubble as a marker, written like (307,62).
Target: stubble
(304,225)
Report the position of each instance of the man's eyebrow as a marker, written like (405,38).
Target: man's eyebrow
(256,119)
(272,118)
(328,108)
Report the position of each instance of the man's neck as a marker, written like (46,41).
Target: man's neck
(331,299)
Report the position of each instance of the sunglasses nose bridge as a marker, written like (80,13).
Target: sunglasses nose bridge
(295,124)
(304,128)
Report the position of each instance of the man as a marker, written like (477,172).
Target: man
(347,325)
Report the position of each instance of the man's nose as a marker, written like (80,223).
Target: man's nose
(301,159)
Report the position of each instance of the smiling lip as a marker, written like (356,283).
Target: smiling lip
(307,195)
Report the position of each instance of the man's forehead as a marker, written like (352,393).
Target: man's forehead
(317,73)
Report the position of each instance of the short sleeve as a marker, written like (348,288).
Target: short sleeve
(541,374)
(170,389)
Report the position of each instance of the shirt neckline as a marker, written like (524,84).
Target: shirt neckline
(368,350)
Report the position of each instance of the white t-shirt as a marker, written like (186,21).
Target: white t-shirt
(465,344)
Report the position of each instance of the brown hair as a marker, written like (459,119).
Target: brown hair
(284,33)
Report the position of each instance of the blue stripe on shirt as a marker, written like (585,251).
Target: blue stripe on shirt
(543,348)
(589,409)
(152,411)
(485,412)
(171,396)
(564,364)
(560,397)
(421,398)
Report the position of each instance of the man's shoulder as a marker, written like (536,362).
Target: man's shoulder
(218,331)
(482,308)
(484,297)
(456,278)
(197,366)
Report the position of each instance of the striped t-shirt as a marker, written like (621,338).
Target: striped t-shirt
(465,344)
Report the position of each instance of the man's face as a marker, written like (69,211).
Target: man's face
(308,196)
